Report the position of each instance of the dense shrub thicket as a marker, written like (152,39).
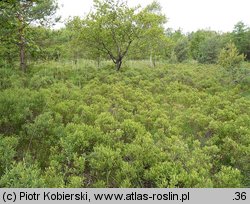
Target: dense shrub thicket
(175,125)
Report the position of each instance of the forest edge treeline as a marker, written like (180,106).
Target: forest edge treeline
(111,31)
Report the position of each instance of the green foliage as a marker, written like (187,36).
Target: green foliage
(111,29)
(152,41)
(46,44)
(228,178)
(241,38)
(181,50)
(7,152)
(22,175)
(16,17)
(231,60)
(196,39)
(178,125)
(209,50)
(18,106)
(72,124)
(40,135)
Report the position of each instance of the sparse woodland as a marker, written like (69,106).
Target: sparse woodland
(115,99)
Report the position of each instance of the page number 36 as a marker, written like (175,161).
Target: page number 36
(240,196)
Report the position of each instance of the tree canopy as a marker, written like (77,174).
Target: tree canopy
(113,26)
(17,15)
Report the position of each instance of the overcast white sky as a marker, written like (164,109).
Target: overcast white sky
(189,15)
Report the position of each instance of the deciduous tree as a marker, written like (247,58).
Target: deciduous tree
(17,15)
(113,26)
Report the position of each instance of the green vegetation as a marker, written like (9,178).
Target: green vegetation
(115,100)
(231,60)
(171,126)
(16,17)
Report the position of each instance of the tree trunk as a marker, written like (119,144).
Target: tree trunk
(22,45)
(154,61)
(98,62)
(118,64)
(22,57)
(150,59)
